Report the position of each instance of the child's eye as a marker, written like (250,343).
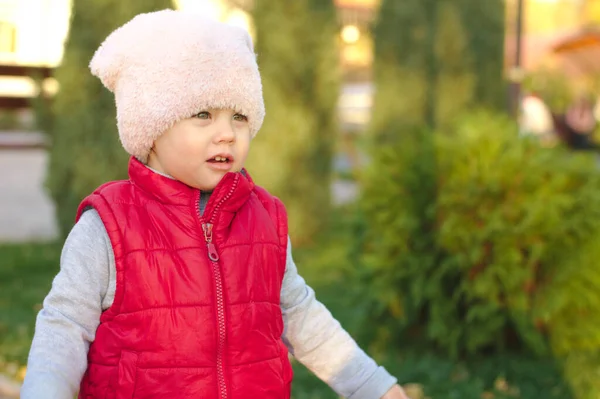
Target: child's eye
(202,115)
(240,118)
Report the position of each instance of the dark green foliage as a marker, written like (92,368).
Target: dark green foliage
(85,145)
(568,305)
(433,62)
(582,369)
(397,250)
(504,255)
(484,24)
(292,154)
(325,268)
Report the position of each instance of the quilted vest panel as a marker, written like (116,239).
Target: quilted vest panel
(197,303)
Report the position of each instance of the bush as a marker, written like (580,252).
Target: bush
(396,250)
(568,305)
(582,371)
(474,260)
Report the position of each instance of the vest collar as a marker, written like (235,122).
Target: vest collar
(229,195)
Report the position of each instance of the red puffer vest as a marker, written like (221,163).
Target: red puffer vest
(196,312)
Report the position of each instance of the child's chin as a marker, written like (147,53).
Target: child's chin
(209,184)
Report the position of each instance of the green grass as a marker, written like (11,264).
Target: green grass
(26,273)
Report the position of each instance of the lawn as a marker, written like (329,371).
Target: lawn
(26,273)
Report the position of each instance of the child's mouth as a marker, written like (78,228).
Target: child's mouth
(218,159)
(221,162)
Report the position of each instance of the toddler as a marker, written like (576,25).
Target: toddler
(179,282)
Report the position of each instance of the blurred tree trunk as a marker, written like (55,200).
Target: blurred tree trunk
(86,151)
(436,58)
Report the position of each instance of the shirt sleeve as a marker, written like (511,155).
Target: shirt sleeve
(67,323)
(317,340)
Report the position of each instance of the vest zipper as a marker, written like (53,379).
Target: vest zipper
(213,256)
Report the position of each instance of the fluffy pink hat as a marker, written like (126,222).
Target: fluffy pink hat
(169,65)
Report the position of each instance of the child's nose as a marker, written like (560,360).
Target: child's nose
(225,132)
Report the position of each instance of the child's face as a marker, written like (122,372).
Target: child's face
(200,150)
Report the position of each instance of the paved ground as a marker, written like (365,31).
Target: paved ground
(22,140)
(26,211)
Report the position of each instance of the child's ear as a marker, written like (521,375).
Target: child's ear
(151,153)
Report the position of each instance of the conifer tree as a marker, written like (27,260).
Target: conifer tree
(86,151)
(292,154)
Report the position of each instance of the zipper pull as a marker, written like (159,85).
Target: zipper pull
(212,252)
(213,255)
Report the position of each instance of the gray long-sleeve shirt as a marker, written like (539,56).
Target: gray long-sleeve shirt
(85,287)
